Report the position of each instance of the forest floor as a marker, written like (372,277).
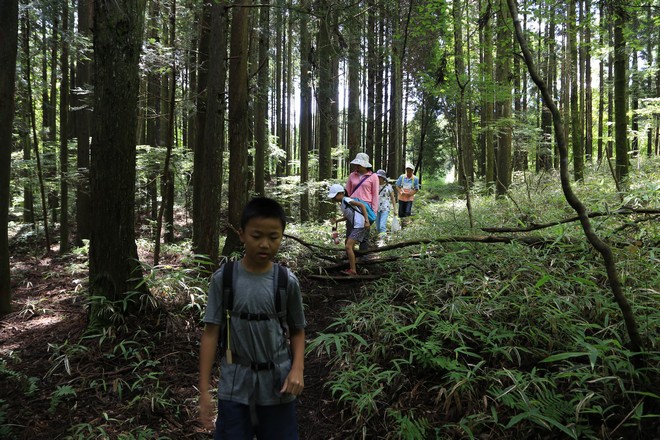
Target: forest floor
(48,313)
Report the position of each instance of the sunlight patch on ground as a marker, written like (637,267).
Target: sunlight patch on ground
(32,321)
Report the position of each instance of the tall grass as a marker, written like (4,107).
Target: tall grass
(505,341)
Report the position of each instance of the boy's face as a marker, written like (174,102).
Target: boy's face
(262,238)
(339,197)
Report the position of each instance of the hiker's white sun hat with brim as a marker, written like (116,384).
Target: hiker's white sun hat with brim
(361,159)
(334,190)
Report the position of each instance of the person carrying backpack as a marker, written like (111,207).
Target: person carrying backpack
(357,223)
(362,184)
(254,315)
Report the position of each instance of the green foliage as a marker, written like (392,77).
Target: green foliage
(507,341)
(62,393)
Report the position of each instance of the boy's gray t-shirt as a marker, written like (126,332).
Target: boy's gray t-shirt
(258,341)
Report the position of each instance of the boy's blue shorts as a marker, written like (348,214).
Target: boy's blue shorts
(275,422)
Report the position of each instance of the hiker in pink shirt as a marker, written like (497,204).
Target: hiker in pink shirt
(363,184)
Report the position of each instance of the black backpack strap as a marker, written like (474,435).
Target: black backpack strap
(280,291)
(227,285)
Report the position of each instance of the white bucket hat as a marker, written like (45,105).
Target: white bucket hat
(361,159)
(334,190)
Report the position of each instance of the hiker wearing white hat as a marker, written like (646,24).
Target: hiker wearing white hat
(407,186)
(363,184)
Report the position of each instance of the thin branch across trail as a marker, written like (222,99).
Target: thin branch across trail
(571,197)
(536,227)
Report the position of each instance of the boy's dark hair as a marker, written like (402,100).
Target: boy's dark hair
(263,207)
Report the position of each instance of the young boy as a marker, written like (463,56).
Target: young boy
(261,373)
(357,223)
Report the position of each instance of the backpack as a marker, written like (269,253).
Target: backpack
(371,215)
(280,295)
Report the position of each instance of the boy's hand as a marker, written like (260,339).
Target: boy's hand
(294,383)
(367,224)
(206,410)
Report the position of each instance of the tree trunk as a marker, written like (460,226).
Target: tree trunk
(588,93)
(64,134)
(576,126)
(28,194)
(394,159)
(114,269)
(620,93)
(8,50)
(372,68)
(325,61)
(354,122)
(167,176)
(503,104)
(488,106)
(207,176)
(238,118)
(83,122)
(261,100)
(305,110)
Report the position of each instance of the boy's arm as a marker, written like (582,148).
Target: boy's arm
(295,381)
(207,349)
(363,209)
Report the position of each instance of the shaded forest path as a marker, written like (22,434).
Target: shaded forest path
(43,393)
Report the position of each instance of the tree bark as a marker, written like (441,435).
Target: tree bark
(81,101)
(305,110)
(576,126)
(8,50)
(114,269)
(238,121)
(503,104)
(207,176)
(261,100)
(620,93)
(64,134)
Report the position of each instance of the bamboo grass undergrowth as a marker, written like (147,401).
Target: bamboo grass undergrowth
(475,340)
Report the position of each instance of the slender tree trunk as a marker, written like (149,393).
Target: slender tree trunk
(238,117)
(261,100)
(83,122)
(35,144)
(8,51)
(167,177)
(461,82)
(620,93)
(353,117)
(325,59)
(601,87)
(503,104)
(64,135)
(634,101)
(576,126)
(372,62)
(28,194)
(394,159)
(488,103)
(207,176)
(305,110)
(588,93)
